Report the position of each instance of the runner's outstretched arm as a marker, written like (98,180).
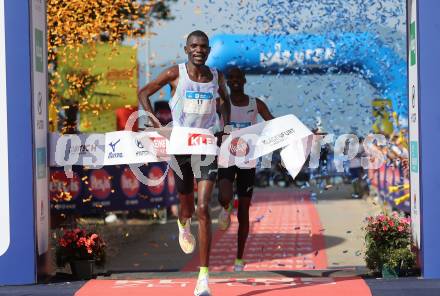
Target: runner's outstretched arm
(168,76)
(263,110)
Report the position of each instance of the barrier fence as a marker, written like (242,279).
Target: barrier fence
(392,186)
(111,188)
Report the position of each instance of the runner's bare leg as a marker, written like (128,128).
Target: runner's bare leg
(186,207)
(243,224)
(205,188)
(225,192)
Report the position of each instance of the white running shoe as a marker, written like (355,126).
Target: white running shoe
(202,287)
(187,241)
(224,218)
(238,265)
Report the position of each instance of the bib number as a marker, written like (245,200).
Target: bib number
(198,102)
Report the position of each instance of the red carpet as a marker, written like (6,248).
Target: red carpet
(285,234)
(244,287)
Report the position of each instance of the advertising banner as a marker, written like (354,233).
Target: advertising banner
(110,188)
(39,106)
(413,104)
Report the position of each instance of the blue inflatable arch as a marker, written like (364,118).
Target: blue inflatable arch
(349,52)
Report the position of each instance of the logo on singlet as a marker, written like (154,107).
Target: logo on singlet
(198,95)
(240,124)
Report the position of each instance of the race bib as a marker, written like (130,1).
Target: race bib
(239,125)
(196,102)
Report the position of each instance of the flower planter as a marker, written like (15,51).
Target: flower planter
(82,269)
(390,273)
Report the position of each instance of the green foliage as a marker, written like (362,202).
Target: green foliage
(388,242)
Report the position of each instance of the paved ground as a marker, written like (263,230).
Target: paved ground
(334,218)
(285,234)
(341,218)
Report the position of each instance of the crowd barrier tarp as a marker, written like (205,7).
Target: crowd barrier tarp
(361,52)
(110,188)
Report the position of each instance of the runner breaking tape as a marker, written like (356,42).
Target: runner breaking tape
(244,111)
(197,91)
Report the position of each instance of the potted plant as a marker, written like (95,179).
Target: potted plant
(388,244)
(82,250)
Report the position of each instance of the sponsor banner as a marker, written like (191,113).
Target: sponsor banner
(110,188)
(246,145)
(96,150)
(242,147)
(413,87)
(39,105)
(295,155)
(186,140)
(83,149)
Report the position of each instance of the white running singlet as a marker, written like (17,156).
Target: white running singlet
(194,103)
(244,116)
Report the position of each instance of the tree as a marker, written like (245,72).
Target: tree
(72,24)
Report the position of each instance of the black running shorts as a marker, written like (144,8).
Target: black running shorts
(245,179)
(193,166)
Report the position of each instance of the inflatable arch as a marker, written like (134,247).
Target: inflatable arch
(348,52)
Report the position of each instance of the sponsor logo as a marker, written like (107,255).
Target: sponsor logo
(278,138)
(155,173)
(100,184)
(39,61)
(38,5)
(62,188)
(197,95)
(41,162)
(284,57)
(39,103)
(238,147)
(40,122)
(142,151)
(139,144)
(160,145)
(82,149)
(129,183)
(240,124)
(413,96)
(414,151)
(41,209)
(413,43)
(113,153)
(200,139)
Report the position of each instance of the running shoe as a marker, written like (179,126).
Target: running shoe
(202,287)
(224,218)
(238,265)
(186,240)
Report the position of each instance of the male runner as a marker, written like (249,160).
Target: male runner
(196,91)
(244,110)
